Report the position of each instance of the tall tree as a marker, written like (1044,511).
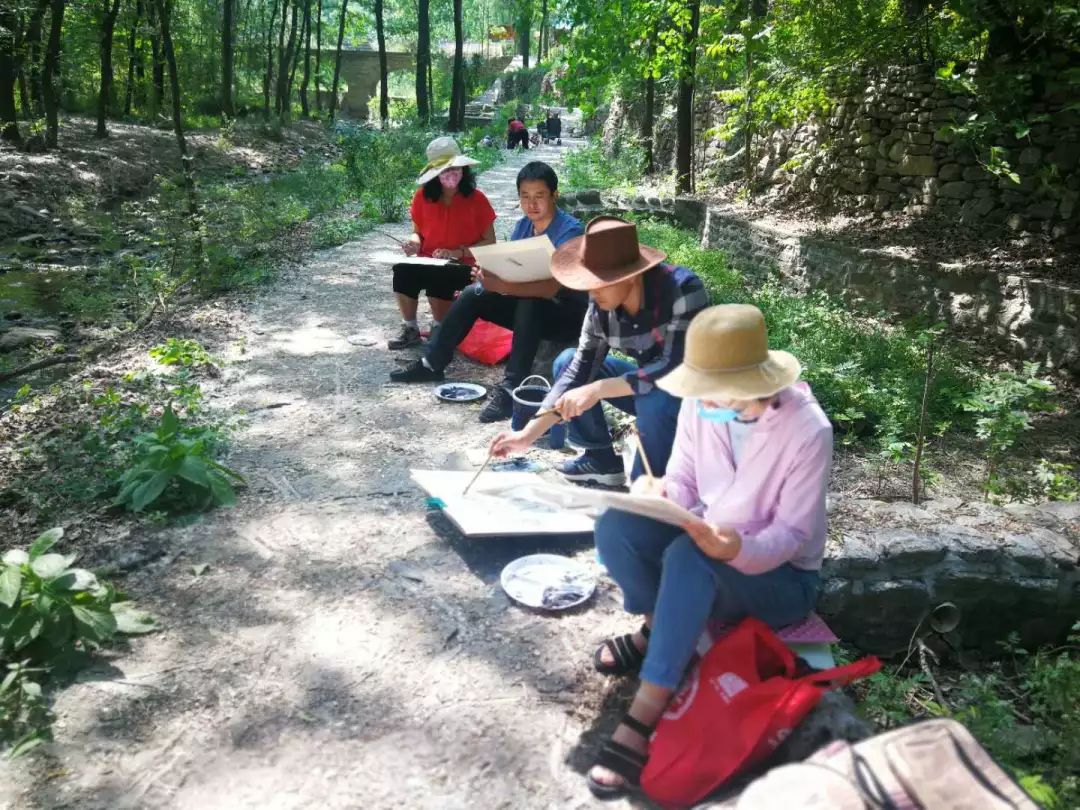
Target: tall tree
(523,27)
(33,37)
(283,58)
(157,61)
(9,68)
(684,114)
(228,24)
(108,26)
(380,35)
(268,76)
(456,120)
(423,60)
(648,119)
(306,37)
(288,65)
(318,56)
(133,57)
(50,77)
(543,30)
(337,58)
(294,57)
(758,9)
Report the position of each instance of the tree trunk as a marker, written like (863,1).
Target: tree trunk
(525,41)
(50,78)
(384,93)
(306,37)
(9,68)
(283,58)
(648,120)
(543,29)
(177,111)
(157,65)
(129,88)
(292,51)
(108,25)
(456,121)
(268,77)
(684,152)
(423,60)
(337,59)
(318,55)
(33,37)
(758,10)
(228,24)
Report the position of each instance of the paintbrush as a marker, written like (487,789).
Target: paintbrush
(641,450)
(546,412)
(482,468)
(391,236)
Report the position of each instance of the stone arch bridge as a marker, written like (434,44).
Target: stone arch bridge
(360,72)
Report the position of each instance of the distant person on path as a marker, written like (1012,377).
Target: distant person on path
(752,458)
(517,134)
(640,306)
(535,311)
(553,127)
(449,216)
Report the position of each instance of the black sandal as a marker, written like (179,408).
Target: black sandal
(627,657)
(622,760)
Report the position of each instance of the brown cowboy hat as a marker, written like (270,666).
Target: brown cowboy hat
(606,254)
(727,357)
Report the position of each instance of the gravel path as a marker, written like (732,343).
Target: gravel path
(330,642)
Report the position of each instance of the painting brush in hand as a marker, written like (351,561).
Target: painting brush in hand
(641,450)
(473,479)
(390,235)
(546,412)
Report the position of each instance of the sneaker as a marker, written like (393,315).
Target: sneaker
(416,372)
(592,468)
(499,407)
(408,336)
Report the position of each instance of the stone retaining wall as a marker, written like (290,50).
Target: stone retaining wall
(1029,318)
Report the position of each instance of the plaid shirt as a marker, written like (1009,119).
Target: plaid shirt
(655,337)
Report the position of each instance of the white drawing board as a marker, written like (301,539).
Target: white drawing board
(587,501)
(397,257)
(486,514)
(519,261)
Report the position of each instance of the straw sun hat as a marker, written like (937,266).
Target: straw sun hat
(728,357)
(606,254)
(442,154)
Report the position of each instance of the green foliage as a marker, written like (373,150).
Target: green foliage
(1003,404)
(590,167)
(51,616)
(172,467)
(1056,481)
(382,167)
(182,352)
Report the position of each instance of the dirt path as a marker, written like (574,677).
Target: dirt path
(343,647)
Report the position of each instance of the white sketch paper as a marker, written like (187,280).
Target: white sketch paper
(519,261)
(397,257)
(487,514)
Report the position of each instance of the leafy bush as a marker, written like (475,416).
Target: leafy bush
(382,167)
(172,467)
(51,616)
(591,167)
(181,352)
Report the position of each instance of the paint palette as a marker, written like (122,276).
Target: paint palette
(547,582)
(460,392)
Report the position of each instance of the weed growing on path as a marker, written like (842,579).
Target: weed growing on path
(51,617)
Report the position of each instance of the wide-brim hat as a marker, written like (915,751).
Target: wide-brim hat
(607,253)
(727,356)
(443,153)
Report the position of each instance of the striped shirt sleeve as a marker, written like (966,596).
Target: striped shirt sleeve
(692,298)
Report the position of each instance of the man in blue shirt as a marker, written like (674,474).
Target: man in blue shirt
(535,311)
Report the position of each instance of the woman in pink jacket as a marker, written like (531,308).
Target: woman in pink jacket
(752,456)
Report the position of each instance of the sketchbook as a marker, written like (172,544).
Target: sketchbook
(588,501)
(397,257)
(519,261)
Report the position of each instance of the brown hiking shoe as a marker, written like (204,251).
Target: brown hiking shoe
(408,336)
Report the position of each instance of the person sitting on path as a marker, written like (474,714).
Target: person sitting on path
(449,216)
(535,311)
(752,457)
(640,306)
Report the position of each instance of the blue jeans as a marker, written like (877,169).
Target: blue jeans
(657,415)
(661,571)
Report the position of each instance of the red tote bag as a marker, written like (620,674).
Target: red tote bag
(735,708)
(487,343)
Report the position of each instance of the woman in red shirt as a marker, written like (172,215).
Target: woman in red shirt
(449,216)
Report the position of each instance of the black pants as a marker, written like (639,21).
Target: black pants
(439,282)
(530,319)
(515,138)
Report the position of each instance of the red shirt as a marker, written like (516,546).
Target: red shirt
(454,226)
(516,126)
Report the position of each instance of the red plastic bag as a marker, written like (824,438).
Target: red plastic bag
(736,707)
(487,343)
